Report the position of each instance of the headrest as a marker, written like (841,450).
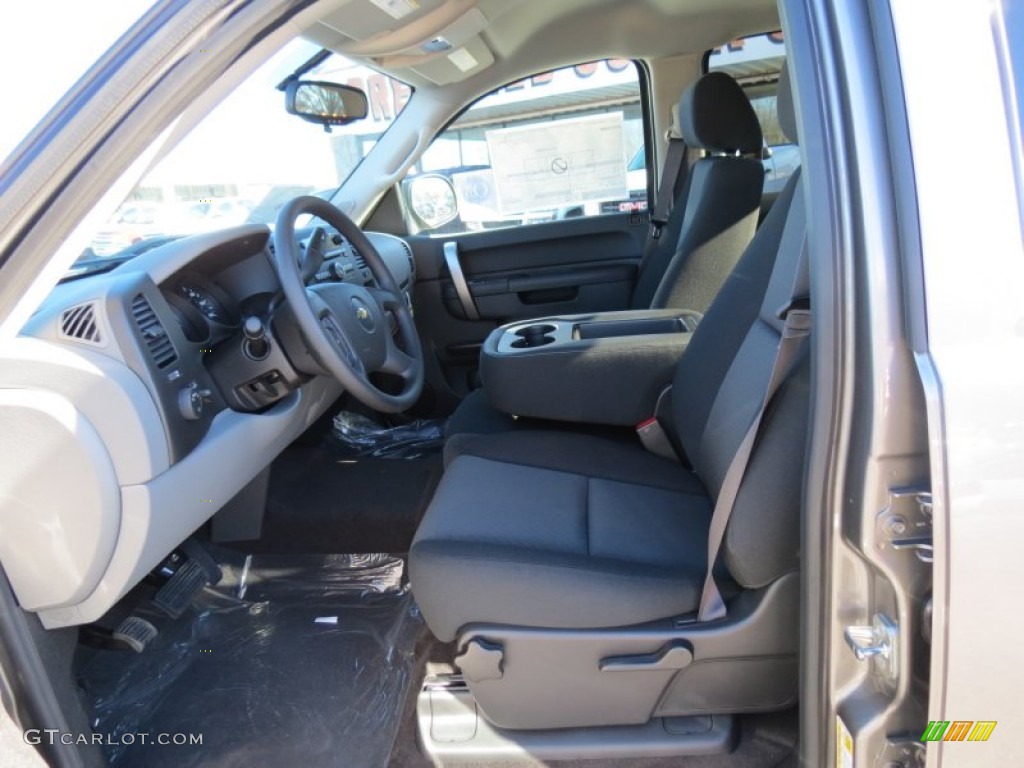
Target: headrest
(784,105)
(714,114)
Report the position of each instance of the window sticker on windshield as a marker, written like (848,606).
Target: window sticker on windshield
(537,167)
(844,745)
(397,9)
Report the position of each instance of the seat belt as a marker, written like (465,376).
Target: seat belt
(676,167)
(796,315)
(794,333)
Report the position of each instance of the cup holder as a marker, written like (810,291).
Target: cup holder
(534,336)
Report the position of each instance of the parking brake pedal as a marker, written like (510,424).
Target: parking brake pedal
(189,572)
(135,633)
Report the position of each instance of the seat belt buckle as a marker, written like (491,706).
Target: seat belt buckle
(654,438)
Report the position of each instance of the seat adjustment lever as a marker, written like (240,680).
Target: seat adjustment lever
(481,660)
(672,656)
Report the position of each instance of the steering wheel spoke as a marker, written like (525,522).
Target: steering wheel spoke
(398,362)
(341,343)
(386,299)
(334,332)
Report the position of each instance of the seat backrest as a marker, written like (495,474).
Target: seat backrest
(716,210)
(720,382)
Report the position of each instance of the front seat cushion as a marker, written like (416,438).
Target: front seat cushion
(576,546)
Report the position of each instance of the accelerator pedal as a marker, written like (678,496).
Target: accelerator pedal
(190,569)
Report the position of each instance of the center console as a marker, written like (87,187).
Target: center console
(605,368)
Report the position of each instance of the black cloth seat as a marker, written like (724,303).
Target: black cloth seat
(712,221)
(553,529)
(717,205)
(476,416)
(620,532)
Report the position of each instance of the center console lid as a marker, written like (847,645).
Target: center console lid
(604,368)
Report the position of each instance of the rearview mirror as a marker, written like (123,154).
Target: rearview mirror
(325,104)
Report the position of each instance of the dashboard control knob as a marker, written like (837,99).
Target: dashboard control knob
(191,400)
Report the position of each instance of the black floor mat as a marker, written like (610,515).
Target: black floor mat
(322,502)
(301,661)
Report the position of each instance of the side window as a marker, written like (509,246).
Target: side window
(557,145)
(755,63)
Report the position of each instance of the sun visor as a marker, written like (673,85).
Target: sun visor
(440,43)
(457,65)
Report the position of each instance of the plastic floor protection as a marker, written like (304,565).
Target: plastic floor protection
(291,660)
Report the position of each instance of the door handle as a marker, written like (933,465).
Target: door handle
(451,258)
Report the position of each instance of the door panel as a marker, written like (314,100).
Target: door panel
(546,184)
(560,267)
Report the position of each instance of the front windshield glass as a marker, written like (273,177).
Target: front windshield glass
(248,157)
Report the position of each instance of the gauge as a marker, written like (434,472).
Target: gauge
(207,304)
(193,325)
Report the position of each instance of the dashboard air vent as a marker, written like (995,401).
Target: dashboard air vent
(357,258)
(80,324)
(412,260)
(153,334)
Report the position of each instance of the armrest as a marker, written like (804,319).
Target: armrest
(605,368)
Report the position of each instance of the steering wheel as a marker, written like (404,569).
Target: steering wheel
(346,326)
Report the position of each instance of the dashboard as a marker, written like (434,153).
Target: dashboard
(164,387)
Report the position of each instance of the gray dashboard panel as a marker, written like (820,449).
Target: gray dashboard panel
(158,515)
(60,512)
(156,480)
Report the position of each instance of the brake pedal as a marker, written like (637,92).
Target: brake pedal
(132,634)
(135,633)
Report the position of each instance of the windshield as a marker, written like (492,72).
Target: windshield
(248,157)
